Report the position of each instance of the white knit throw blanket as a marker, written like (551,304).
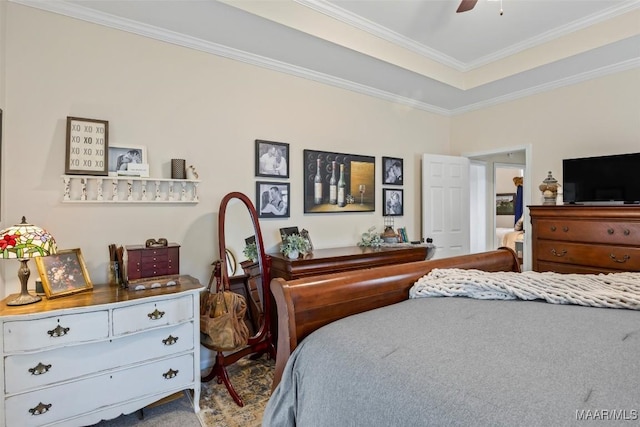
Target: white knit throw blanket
(615,290)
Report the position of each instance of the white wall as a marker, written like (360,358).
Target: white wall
(182,103)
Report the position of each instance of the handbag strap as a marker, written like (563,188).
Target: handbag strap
(221,282)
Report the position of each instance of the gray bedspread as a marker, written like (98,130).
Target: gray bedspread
(465,362)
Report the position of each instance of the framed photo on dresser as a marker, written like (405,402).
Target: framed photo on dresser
(64,273)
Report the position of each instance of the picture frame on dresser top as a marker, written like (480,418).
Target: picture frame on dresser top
(121,155)
(64,273)
(272,159)
(87,145)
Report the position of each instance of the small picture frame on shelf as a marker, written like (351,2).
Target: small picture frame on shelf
(121,156)
(87,146)
(392,170)
(392,201)
(272,199)
(272,159)
(64,273)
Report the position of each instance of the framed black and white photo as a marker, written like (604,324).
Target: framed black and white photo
(272,159)
(392,171)
(121,156)
(272,199)
(393,202)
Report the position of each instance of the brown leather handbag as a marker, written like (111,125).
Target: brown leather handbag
(222,316)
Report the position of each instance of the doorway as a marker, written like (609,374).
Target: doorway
(483,227)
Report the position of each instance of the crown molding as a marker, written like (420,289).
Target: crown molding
(145,30)
(555,34)
(349,18)
(578,78)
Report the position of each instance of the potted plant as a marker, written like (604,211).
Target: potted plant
(251,251)
(293,245)
(371,238)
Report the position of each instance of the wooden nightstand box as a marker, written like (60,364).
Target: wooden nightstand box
(151,262)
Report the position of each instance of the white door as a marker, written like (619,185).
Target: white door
(445,203)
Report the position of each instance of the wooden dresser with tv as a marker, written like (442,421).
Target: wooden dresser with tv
(585,239)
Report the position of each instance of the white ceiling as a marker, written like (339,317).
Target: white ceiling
(416,52)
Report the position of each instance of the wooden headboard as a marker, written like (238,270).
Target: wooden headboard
(304,305)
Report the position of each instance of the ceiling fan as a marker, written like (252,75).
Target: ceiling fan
(466,5)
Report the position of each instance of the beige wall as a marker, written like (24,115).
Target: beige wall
(597,117)
(182,103)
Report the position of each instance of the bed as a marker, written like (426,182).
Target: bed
(353,350)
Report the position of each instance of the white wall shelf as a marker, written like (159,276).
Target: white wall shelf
(128,189)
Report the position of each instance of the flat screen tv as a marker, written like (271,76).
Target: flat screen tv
(602,180)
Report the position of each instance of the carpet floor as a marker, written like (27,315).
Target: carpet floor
(251,379)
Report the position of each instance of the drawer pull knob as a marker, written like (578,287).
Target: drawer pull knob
(40,369)
(553,228)
(40,408)
(559,254)
(170,374)
(170,340)
(626,232)
(59,331)
(610,230)
(565,228)
(624,258)
(156,314)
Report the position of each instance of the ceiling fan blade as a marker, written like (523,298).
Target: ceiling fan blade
(466,5)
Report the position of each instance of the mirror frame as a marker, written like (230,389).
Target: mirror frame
(265,328)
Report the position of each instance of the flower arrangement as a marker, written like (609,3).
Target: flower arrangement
(370,238)
(251,251)
(294,243)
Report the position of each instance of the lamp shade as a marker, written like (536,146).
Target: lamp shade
(25,240)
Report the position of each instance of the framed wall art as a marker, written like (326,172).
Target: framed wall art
(272,199)
(393,202)
(272,159)
(337,182)
(121,156)
(87,146)
(505,204)
(392,171)
(64,273)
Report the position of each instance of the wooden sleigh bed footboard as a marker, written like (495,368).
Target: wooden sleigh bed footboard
(304,305)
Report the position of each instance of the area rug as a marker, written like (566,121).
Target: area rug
(252,380)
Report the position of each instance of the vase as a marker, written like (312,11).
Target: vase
(293,254)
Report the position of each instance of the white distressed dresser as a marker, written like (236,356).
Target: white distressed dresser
(76,360)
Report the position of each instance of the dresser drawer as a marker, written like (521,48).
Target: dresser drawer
(76,398)
(28,371)
(24,335)
(151,315)
(602,256)
(618,233)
